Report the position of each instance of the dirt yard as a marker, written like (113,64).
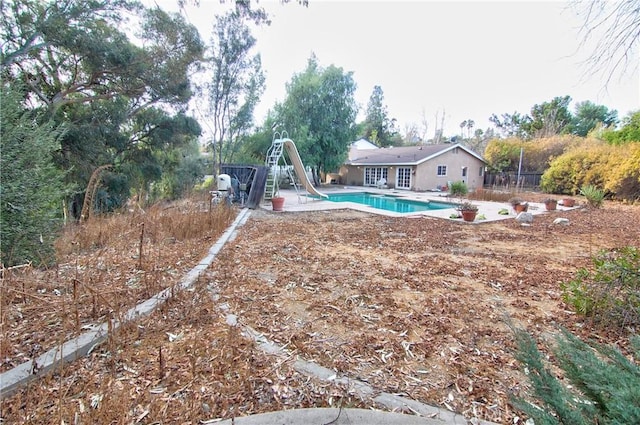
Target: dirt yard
(414,306)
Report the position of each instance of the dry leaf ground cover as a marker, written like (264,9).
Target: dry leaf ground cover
(416,306)
(104,268)
(413,306)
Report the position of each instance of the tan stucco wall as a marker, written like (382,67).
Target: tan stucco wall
(425,176)
(351,175)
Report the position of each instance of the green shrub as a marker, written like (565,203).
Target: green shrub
(604,383)
(611,292)
(32,187)
(594,196)
(458,188)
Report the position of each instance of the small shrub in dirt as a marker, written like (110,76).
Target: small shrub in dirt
(458,189)
(594,196)
(611,292)
(604,383)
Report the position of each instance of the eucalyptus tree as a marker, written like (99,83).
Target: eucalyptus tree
(237,81)
(113,90)
(77,52)
(319,112)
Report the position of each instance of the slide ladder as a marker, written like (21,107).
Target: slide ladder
(273,158)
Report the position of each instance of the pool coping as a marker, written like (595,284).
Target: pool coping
(488,211)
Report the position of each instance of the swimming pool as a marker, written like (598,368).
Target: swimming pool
(389,203)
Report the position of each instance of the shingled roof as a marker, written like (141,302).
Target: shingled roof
(405,155)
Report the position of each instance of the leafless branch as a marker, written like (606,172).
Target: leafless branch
(615,27)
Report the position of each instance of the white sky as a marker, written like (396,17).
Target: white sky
(470,59)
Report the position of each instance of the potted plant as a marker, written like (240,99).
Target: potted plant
(568,202)
(468,211)
(550,204)
(277,201)
(518,204)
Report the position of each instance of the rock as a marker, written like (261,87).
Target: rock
(560,220)
(232,319)
(524,217)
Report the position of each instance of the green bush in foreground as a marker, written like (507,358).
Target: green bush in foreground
(605,385)
(32,188)
(612,291)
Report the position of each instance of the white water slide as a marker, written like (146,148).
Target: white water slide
(298,166)
(296,161)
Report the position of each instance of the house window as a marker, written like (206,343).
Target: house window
(464,171)
(442,170)
(373,174)
(404,178)
(481,171)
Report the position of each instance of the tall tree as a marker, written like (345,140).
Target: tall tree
(81,67)
(512,125)
(319,113)
(588,116)
(77,52)
(470,124)
(550,118)
(236,85)
(546,119)
(378,127)
(463,125)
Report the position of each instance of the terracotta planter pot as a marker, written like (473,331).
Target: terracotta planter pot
(551,205)
(469,215)
(518,208)
(568,202)
(277,203)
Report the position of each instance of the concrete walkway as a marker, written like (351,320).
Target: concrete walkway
(323,416)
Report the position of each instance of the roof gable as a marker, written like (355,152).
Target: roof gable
(363,144)
(406,155)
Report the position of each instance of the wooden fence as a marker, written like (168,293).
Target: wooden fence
(509,180)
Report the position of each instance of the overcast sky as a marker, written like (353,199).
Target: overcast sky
(470,59)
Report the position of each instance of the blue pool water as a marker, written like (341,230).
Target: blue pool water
(388,203)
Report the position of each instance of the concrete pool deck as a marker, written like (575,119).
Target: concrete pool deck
(298,202)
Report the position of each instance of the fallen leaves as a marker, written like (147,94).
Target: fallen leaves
(412,307)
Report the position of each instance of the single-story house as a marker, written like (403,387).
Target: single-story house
(418,168)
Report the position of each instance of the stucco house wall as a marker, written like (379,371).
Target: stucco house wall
(427,178)
(455,163)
